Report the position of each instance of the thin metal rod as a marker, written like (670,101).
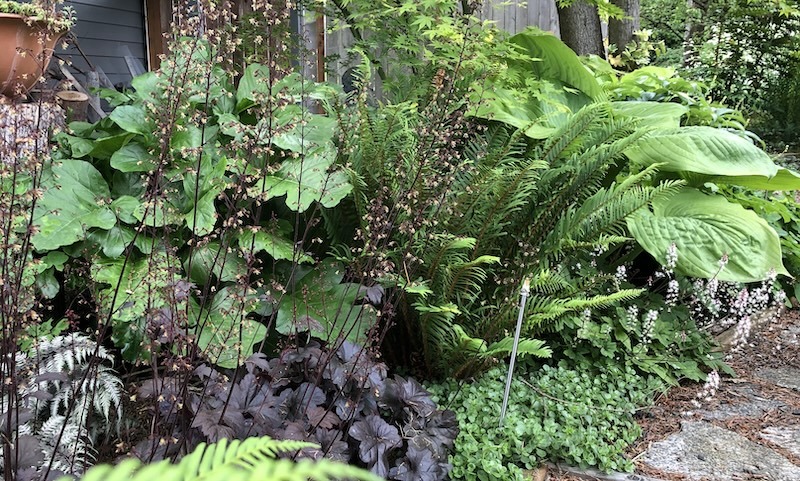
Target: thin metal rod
(526,290)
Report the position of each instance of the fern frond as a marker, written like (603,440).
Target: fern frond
(533,347)
(543,309)
(209,460)
(66,444)
(218,467)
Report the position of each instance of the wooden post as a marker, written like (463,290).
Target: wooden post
(75,104)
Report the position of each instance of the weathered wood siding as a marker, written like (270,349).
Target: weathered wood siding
(107,30)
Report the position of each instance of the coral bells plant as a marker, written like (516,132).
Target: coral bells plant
(335,396)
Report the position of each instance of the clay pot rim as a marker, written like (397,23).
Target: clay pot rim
(43,24)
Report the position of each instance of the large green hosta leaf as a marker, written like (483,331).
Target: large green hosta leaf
(705,228)
(703,150)
(785,179)
(74,200)
(659,115)
(551,59)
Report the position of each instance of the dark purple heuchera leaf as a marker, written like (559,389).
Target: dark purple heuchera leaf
(301,355)
(266,409)
(209,424)
(377,438)
(407,396)
(181,290)
(320,417)
(417,465)
(295,431)
(162,326)
(355,404)
(374,294)
(360,369)
(330,440)
(442,426)
(27,452)
(165,392)
(305,397)
(257,362)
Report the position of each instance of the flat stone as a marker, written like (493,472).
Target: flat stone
(702,451)
(786,437)
(751,405)
(785,376)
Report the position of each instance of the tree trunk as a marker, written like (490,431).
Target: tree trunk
(580,28)
(620,31)
(694,32)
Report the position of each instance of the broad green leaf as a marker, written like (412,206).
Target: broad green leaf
(304,134)
(212,177)
(211,259)
(125,208)
(225,335)
(659,115)
(55,259)
(702,150)
(132,118)
(133,157)
(79,146)
(81,129)
(321,304)
(254,83)
(255,86)
(785,179)
(47,283)
(73,201)
(113,241)
(277,246)
(305,181)
(158,213)
(551,59)
(705,228)
(146,86)
(133,287)
(105,147)
(203,217)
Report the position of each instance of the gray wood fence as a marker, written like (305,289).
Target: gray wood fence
(513,16)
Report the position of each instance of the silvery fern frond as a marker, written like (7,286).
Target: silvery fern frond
(65,446)
(62,382)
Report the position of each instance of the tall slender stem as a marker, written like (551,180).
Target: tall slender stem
(526,290)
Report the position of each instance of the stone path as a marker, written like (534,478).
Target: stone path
(752,433)
(749,431)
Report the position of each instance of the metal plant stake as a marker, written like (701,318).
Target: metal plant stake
(526,290)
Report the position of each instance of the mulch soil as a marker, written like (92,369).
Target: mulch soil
(769,347)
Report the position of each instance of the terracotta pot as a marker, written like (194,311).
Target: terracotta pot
(25,51)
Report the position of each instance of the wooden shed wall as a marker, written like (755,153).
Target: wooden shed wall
(107,30)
